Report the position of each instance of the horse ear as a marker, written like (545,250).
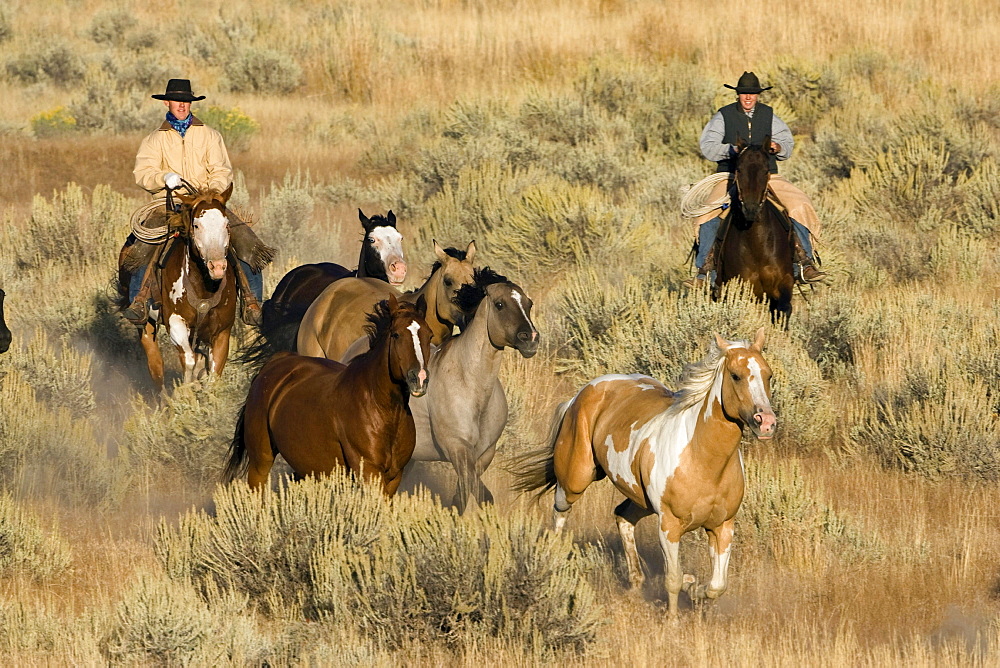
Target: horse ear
(365,221)
(227,193)
(720,342)
(391,217)
(758,341)
(393,304)
(470,252)
(422,305)
(439,252)
(740,144)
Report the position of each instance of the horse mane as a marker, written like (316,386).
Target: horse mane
(697,378)
(380,320)
(469,295)
(453,252)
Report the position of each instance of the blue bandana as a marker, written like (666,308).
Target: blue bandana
(180,126)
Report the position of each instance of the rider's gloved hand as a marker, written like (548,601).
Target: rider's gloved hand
(172,181)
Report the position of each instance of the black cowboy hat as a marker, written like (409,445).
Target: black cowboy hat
(179,90)
(748,83)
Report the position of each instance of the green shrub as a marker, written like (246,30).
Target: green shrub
(26,548)
(236,127)
(110,26)
(286,214)
(52,123)
(256,70)
(56,63)
(60,378)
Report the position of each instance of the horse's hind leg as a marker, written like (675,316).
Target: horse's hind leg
(257,440)
(154,361)
(627,514)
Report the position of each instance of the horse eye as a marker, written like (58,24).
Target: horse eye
(499,305)
(395,335)
(736,377)
(448,282)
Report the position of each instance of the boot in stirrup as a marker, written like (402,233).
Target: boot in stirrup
(701,280)
(808,273)
(137,312)
(250,312)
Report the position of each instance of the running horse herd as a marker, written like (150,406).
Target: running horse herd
(353,374)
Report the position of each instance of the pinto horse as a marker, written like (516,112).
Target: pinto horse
(335,320)
(676,455)
(322,415)
(197,288)
(757,243)
(381,258)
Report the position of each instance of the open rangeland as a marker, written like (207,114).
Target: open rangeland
(558,135)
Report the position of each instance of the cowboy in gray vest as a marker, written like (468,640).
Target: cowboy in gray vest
(185,148)
(751,121)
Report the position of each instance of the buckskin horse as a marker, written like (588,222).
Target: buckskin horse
(381,258)
(756,242)
(336,318)
(197,288)
(322,415)
(675,455)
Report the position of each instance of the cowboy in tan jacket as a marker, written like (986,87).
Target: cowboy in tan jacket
(185,148)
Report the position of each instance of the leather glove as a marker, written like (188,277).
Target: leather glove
(172,180)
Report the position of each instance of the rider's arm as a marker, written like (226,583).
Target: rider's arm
(711,139)
(782,135)
(149,164)
(217,165)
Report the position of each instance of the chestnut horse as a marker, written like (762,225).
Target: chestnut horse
(197,288)
(336,318)
(757,241)
(381,258)
(676,455)
(322,415)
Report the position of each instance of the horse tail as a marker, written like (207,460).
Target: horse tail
(535,469)
(276,333)
(238,462)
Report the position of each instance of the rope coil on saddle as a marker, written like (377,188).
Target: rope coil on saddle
(693,202)
(149,235)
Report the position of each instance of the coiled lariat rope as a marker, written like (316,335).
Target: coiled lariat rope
(693,202)
(149,235)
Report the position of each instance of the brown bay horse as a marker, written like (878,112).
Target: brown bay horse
(336,318)
(322,415)
(5,336)
(381,258)
(197,288)
(757,243)
(675,455)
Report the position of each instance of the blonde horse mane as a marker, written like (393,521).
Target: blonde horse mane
(697,378)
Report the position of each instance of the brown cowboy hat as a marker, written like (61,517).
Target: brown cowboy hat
(748,83)
(179,90)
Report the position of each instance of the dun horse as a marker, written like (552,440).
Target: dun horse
(464,412)
(756,241)
(321,415)
(197,289)
(381,258)
(675,455)
(336,318)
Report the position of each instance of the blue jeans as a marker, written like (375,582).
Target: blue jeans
(708,230)
(256,281)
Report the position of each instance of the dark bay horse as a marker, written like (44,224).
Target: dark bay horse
(757,243)
(197,288)
(381,258)
(322,415)
(336,318)
(675,455)
(5,335)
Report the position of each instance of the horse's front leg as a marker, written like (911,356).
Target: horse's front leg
(720,543)
(670,543)
(219,352)
(154,361)
(180,336)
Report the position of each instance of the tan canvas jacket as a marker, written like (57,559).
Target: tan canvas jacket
(200,157)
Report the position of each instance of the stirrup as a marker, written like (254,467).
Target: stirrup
(699,281)
(250,314)
(137,312)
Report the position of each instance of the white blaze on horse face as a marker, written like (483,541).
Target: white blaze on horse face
(211,235)
(520,304)
(180,336)
(414,328)
(177,289)
(756,381)
(388,243)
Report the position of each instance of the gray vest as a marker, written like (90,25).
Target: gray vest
(752,130)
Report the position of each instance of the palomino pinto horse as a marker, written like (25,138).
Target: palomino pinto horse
(464,412)
(321,415)
(336,318)
(676,455)
(197,287)
(757,245)
(381,258)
